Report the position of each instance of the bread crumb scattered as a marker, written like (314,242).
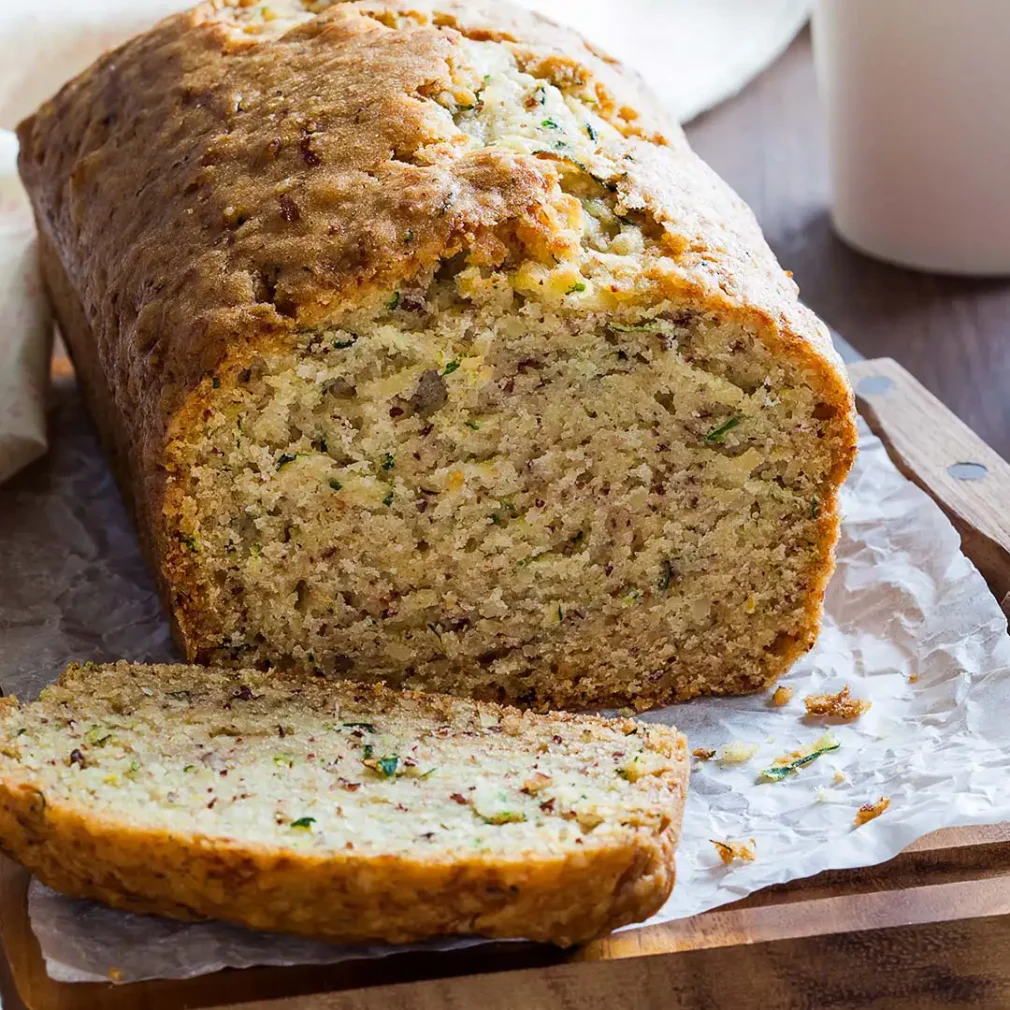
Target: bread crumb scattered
(703,753)
(839,777)
(115,975)
(782,696)
(869,811)
(728,851)
(736,752)
(788,764)
(913,678)
(837,706)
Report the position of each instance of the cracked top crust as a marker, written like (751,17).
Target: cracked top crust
(239,171)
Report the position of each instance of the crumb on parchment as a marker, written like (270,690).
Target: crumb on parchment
(730,851)
(869,811)
(703,753)
(788,764)
(782,696)
(839,777)
(736,752)
(838,706)
(115,975)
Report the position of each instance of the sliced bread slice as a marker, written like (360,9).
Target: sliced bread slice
(348,811)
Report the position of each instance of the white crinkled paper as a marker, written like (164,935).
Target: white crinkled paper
(909,624)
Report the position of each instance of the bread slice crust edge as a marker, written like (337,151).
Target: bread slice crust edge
(347,896)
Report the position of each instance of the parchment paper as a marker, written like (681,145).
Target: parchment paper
(910,625)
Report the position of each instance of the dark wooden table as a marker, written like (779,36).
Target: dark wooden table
(952,333)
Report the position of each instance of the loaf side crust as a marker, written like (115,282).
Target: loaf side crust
(564,901)
(98,395)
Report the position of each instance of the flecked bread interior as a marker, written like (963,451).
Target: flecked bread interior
(516,483)
(349,812)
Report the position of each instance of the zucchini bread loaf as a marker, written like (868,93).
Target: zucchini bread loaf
(350,812)
(428,352)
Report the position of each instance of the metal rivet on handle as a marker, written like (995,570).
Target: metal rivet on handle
(968,471)
(874,385)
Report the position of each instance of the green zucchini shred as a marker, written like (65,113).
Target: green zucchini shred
(716,435)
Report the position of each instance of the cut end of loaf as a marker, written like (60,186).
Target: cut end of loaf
(345,811)
(544,508)
(548,469)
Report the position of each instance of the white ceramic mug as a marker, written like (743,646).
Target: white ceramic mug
(916,96)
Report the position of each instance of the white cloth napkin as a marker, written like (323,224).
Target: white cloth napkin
(25,327)
(694,53)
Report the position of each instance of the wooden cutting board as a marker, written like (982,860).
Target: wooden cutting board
(929,929)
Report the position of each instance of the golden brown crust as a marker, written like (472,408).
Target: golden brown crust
(206,192)
(562,897)
(162,146)
(566,900)
(98,395)
(870,811)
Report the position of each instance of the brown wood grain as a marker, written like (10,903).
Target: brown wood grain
(965,963)
(926,441)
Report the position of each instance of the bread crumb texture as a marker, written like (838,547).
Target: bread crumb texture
(782,695)
(840,705)
(736,752)
(730,852)
(871,811)
(349,812)
(473,378)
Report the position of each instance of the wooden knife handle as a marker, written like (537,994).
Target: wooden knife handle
(934,448)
